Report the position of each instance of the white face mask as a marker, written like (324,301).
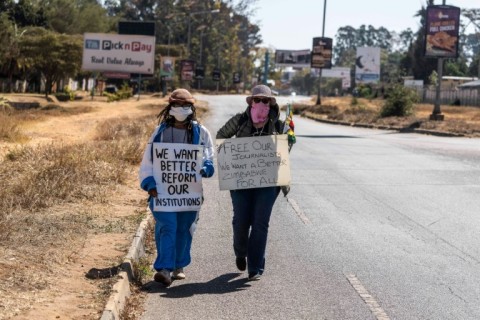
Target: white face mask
(180,114)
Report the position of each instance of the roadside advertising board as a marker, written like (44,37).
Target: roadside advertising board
(167,68)
(187,69)
(441,39)
(216,74)
(336,73)
(367,65)
(322,53)
(200,72)
(237,77)
(116,75)
(253,162)
(118,53)
(292,58)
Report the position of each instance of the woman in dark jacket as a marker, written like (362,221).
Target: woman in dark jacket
(252,207)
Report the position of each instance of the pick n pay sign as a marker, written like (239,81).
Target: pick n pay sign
(113,52)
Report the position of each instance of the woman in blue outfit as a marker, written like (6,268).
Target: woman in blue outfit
(174,230)
(252,207)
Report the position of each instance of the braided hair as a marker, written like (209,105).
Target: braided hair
(165,117)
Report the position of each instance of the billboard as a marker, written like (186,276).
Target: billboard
(187,68)
(167,68)
(237,77)
(200,72)
(121,53)
(322,53)
(216,74)
(336,73)
(292,58)
(367,65)
(136,27)
(441,39)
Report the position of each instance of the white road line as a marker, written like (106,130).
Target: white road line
(298,211)
(377,311)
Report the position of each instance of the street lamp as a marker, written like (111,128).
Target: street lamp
(319,101)
(190,24)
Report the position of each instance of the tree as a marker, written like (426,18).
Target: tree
(56,56)
(421,67)
(304,83)
(472,41)
(76,17)
(348,39)
(10,54)
(28,13)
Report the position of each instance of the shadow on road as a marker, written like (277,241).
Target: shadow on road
(220,285)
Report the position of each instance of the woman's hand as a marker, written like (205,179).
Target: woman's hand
(153,192)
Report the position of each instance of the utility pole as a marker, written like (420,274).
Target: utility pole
(319,91)
(437,112)
(265,71)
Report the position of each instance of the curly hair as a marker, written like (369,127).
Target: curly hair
(165,117)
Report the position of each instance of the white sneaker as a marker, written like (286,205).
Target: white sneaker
(178,274)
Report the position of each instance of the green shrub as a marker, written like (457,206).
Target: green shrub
(124,92)
(354,101)
(62,96)
(365,92)
(400,102)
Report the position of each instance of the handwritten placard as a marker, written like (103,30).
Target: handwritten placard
(253,162)
(176,169)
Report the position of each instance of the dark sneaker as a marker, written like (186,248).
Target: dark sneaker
(163,276)
(241,263)
(254,276)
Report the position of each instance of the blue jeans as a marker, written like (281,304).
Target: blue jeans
(173,239)
(251,216)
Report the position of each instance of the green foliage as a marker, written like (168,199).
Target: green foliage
(124,92)
(354,101)
(303,82)
(365,91)
(76,17)
(55,55)
(348,39)
(400,102)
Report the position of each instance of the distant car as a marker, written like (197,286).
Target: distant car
(111,89)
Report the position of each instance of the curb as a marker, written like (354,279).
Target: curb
(383,127)
(121,289)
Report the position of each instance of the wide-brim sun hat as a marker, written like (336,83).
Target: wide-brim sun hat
(261,91)
(181,95)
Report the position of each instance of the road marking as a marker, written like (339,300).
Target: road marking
(298,211)
(377,311)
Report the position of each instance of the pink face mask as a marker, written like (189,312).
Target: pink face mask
(259,112)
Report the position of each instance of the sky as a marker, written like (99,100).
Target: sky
(292,24)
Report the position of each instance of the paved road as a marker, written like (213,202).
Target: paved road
(378,225)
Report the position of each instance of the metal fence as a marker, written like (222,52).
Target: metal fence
(464,97)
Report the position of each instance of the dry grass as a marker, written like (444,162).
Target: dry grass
(9,129)
(458,119)
(11,119)
(51,196)
(56,199)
